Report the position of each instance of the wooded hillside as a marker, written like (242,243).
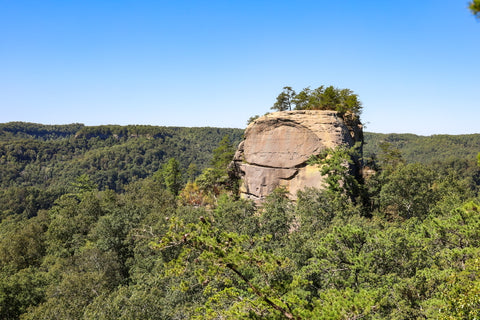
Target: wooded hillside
(425,149)
(141,222)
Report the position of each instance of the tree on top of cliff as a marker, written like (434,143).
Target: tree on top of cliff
(321,98)
(284,100)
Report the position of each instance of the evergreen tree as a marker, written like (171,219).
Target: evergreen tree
(172,176)
(284,100)
(223,154)
(321,98)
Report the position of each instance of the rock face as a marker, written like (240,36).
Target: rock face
(277,146)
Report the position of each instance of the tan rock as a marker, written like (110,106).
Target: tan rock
(277,146)
(263,180)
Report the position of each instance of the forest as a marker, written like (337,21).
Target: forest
(143,222)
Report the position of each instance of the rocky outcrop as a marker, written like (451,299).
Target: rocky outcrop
(277,146)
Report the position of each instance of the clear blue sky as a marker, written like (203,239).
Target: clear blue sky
(414,64)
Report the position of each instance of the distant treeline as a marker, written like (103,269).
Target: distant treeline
(49,155)
(414,148)
(25,130)
(425,149)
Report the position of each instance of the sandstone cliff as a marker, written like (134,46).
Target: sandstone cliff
(277,146)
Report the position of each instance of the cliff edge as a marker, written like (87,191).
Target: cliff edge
(277,146)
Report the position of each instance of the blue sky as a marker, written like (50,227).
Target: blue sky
(414,64)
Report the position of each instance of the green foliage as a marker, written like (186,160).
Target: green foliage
(88,231)
(90,274)
(230,211)
(223,154)
(474,7)
(171,176)
(390,157)
(25,201)
(284,100)
(50,157)
(462,293)
(316,210)
(409,192)
(345,304)
(424,149)
(321,98)
(276,216)
(211,181)
(103,255)
(336,164)
(84,184)
(20,290)
(252,118)
(216,179)
(231,259)
(24,130)
(192,172)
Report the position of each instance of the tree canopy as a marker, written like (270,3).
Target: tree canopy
(408,250)
(321,98)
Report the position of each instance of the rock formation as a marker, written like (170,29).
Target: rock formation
(277,146)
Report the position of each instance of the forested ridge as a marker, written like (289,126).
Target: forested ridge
(143,222)
(425,149)
(43,155)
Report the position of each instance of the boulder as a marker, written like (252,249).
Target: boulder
(277,147)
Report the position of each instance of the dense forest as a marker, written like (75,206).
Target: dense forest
(143,222)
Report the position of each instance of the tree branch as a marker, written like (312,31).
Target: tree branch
(285,313)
